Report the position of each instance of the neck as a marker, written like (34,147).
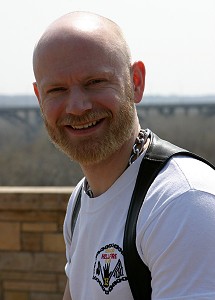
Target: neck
(101,176)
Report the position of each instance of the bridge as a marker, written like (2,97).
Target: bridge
(171,108)
(31,116)
(16,115)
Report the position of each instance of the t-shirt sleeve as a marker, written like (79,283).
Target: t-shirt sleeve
(178,245)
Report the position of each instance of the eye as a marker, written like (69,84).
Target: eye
(95,81)
(56,90)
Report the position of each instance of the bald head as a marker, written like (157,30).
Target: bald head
(83,26)
(84,75)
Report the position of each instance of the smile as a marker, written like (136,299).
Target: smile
(85,126)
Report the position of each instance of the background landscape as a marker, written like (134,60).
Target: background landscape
(27,157)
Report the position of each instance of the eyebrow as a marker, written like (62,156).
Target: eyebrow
(98,73)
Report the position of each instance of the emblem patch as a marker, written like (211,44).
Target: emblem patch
(108,268)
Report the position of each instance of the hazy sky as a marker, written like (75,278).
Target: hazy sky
(174,38)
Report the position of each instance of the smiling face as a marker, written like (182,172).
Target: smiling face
(86,94)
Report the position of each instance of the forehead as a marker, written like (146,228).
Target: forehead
(77,53)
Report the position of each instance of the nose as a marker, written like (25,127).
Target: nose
(78,102)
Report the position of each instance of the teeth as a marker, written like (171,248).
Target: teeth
(84,126)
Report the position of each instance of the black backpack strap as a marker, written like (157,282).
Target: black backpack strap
(161,150)
(157,155)
(75,211)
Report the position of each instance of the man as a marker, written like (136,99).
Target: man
(87,87)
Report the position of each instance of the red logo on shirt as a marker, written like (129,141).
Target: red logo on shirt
(108,268)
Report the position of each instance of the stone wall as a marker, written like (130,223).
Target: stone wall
(32,250)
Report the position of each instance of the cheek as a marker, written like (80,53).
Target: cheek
(112,100)
(51,111)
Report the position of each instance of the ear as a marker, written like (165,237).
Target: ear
(36,91)
(138,77)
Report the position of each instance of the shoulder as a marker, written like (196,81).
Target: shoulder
(198,174)
(74,195)
(180,175)
(70,207)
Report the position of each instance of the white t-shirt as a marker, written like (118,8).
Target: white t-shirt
(175,235)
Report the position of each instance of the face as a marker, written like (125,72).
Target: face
(86,99)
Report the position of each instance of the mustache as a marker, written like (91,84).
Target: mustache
(87,117)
